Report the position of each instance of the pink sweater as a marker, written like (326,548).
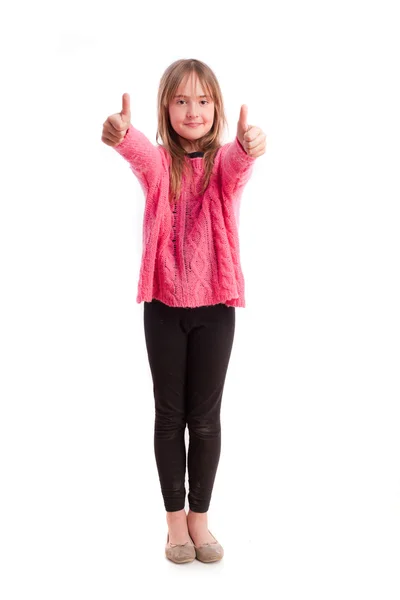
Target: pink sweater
(191,254)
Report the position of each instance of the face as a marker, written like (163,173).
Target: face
(191,108)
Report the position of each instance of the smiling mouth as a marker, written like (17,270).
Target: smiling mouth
(193,124)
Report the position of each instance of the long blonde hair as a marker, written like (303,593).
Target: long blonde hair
(210,142)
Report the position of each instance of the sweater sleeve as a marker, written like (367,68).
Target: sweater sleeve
(143,157)
(236,167)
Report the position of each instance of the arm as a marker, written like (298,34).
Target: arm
(236,167)
(143,157)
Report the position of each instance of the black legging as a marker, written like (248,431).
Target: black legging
(189,351)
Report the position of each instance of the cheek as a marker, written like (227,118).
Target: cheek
(175,116)
(210,118)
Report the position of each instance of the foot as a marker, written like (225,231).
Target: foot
(197,524)
(177,527)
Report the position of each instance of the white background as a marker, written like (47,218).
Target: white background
(306,500)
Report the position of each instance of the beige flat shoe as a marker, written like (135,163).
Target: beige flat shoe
(180,553)
(209,552)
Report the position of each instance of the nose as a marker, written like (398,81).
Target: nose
(192,109)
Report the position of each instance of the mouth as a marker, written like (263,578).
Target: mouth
(193,124)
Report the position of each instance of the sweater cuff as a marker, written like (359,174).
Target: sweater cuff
(125,140)
(242,154)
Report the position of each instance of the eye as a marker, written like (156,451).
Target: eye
(185,101)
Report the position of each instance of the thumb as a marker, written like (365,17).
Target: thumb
(243,119)
(126,108)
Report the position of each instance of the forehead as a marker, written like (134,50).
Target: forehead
(191,86)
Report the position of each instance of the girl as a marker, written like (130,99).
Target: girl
(190,282)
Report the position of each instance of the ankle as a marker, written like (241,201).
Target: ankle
(197,516)
(176,515)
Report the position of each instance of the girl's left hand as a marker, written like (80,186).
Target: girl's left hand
(252,138)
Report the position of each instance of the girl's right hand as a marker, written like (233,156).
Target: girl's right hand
(116,126)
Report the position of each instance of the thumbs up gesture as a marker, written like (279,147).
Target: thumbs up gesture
(116,126)
(252,138)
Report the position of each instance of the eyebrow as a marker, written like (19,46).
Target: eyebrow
(183,96)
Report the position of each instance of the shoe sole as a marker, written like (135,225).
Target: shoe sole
(180,562)
(209,561)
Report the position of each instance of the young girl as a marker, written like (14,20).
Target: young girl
(190,282)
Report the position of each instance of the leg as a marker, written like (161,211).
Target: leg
(209,350)
(166,347)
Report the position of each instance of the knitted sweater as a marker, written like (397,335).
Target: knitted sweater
(191,253)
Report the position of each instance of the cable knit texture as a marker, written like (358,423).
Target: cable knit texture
(191,253)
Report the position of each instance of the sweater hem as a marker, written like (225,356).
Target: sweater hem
(237,302)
